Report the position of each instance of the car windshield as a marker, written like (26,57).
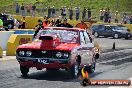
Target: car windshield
(116,28)
(123,27)
(66,36)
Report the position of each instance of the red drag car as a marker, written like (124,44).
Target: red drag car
(65,48)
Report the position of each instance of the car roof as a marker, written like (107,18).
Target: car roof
(65,28)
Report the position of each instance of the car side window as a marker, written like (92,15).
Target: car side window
(82,41)
(107,27)
(100,27)
(87,40)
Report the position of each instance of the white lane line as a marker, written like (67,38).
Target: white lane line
(123,86)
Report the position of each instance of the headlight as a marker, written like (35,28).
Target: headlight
(66,55)
(28,53)
(21,53)
(59,54)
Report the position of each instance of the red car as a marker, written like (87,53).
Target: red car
(65,48)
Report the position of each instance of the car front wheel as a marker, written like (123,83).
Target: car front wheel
(96,34)
(74,70)
(24,70)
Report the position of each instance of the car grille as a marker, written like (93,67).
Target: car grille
(43,53)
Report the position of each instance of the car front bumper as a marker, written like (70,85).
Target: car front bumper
(53,63)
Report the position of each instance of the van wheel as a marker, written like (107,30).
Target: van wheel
(116,36)
(96,34)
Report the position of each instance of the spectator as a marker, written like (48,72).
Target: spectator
(58,21)
(131,19)
(77,12)
(17,8)
(33,10)
(106,15)
(89,14)
(46,23)
(64,12)
(61,11)
(109,15)
(84,13)
(38,28)
(22,10)
(65,24)
(102,14)
(23,23)
(29,7)
(71,13)
(116,16)
(53,12)
(125,18)
(49,11)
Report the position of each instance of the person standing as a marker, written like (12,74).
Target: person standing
(71,13)
(84,13)
(17,8)
(116,16)
(102,14)
(109,16)
(33,10)
(49,12)
(23,23)
(77,12)
(29,7)
(38,28)
(125,18)
(106,15)
(89,14)
(64,12)
(53,11)
(22,10)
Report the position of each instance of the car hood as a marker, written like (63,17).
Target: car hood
(37,45)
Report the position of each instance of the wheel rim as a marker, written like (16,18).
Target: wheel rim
(76,70)
(116,36)
(96,34)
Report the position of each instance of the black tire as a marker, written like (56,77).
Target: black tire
(74,70)
(96,34)
(24,70)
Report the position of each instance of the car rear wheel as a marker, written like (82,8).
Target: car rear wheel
(74,70)
(116,36)
(96,34)
(128,36)
(24,70)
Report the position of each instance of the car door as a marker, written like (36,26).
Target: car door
(101,30)
(108,31)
